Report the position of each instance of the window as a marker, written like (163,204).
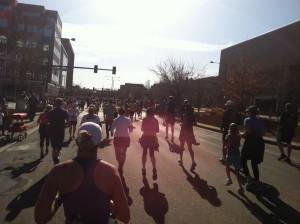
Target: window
(21,27)
(31,44)
(3,39)
(51,20)
(20,43)
(29,75)
(45,61)
(48,32)
(32,28)
(3,53)
(46,47)
(3,22)
(32,14)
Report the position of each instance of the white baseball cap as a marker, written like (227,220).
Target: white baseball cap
(94,129)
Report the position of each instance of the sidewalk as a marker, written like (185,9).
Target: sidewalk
(268,140)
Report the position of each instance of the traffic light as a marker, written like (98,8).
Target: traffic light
(95,68)
(114,70)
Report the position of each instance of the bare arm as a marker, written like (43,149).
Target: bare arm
(120,208)
(46,205)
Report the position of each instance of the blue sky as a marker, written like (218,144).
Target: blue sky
(135,35)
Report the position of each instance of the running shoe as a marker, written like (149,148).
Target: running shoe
(193,166)
(222,160)
(287,159)
(180,162)
(241,190)
(282,157)
(228,182)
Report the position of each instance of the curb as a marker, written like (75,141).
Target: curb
(268,140)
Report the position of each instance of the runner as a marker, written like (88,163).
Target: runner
(120,129)
(58,118)
(73,114)
(88,187)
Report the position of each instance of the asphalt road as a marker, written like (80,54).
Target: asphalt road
(177,196)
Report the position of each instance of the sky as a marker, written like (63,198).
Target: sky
(136,35)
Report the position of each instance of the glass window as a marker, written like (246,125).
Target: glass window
(21,27)
(32,14)
(3,39)
(31,44)
(51,20)
(20,43)
(45,61)
(32,28)
(3,22)
(48,32)
(46,47)
(3,53)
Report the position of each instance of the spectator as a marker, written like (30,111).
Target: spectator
(286,131)
(21,104)
(32,104)
(88,187)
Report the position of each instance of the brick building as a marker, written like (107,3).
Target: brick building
(276,54)
(32,50)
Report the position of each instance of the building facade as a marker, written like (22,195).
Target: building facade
(275,54)
(32,50)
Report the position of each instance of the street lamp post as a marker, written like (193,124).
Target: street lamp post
(220,63)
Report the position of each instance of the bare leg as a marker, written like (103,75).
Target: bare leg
(172,131)
(144,159)
(181,152)
(167,131)
(228,172)
(289,150)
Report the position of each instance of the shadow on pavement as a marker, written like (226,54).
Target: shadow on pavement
(26,168)
(104,143)
(24,200)
(155,202)
(174,147)
(280,212)
(202,188)
(4,141)
(126,190)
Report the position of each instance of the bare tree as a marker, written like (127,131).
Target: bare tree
(244,82)
(177,77)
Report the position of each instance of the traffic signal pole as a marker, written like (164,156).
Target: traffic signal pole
(95,68)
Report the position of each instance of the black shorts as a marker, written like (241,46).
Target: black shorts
(150,142)
(57,137)
(170,119)
(285,137)
(73,122)
(121,142)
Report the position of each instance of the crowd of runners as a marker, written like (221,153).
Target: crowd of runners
(87,183)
